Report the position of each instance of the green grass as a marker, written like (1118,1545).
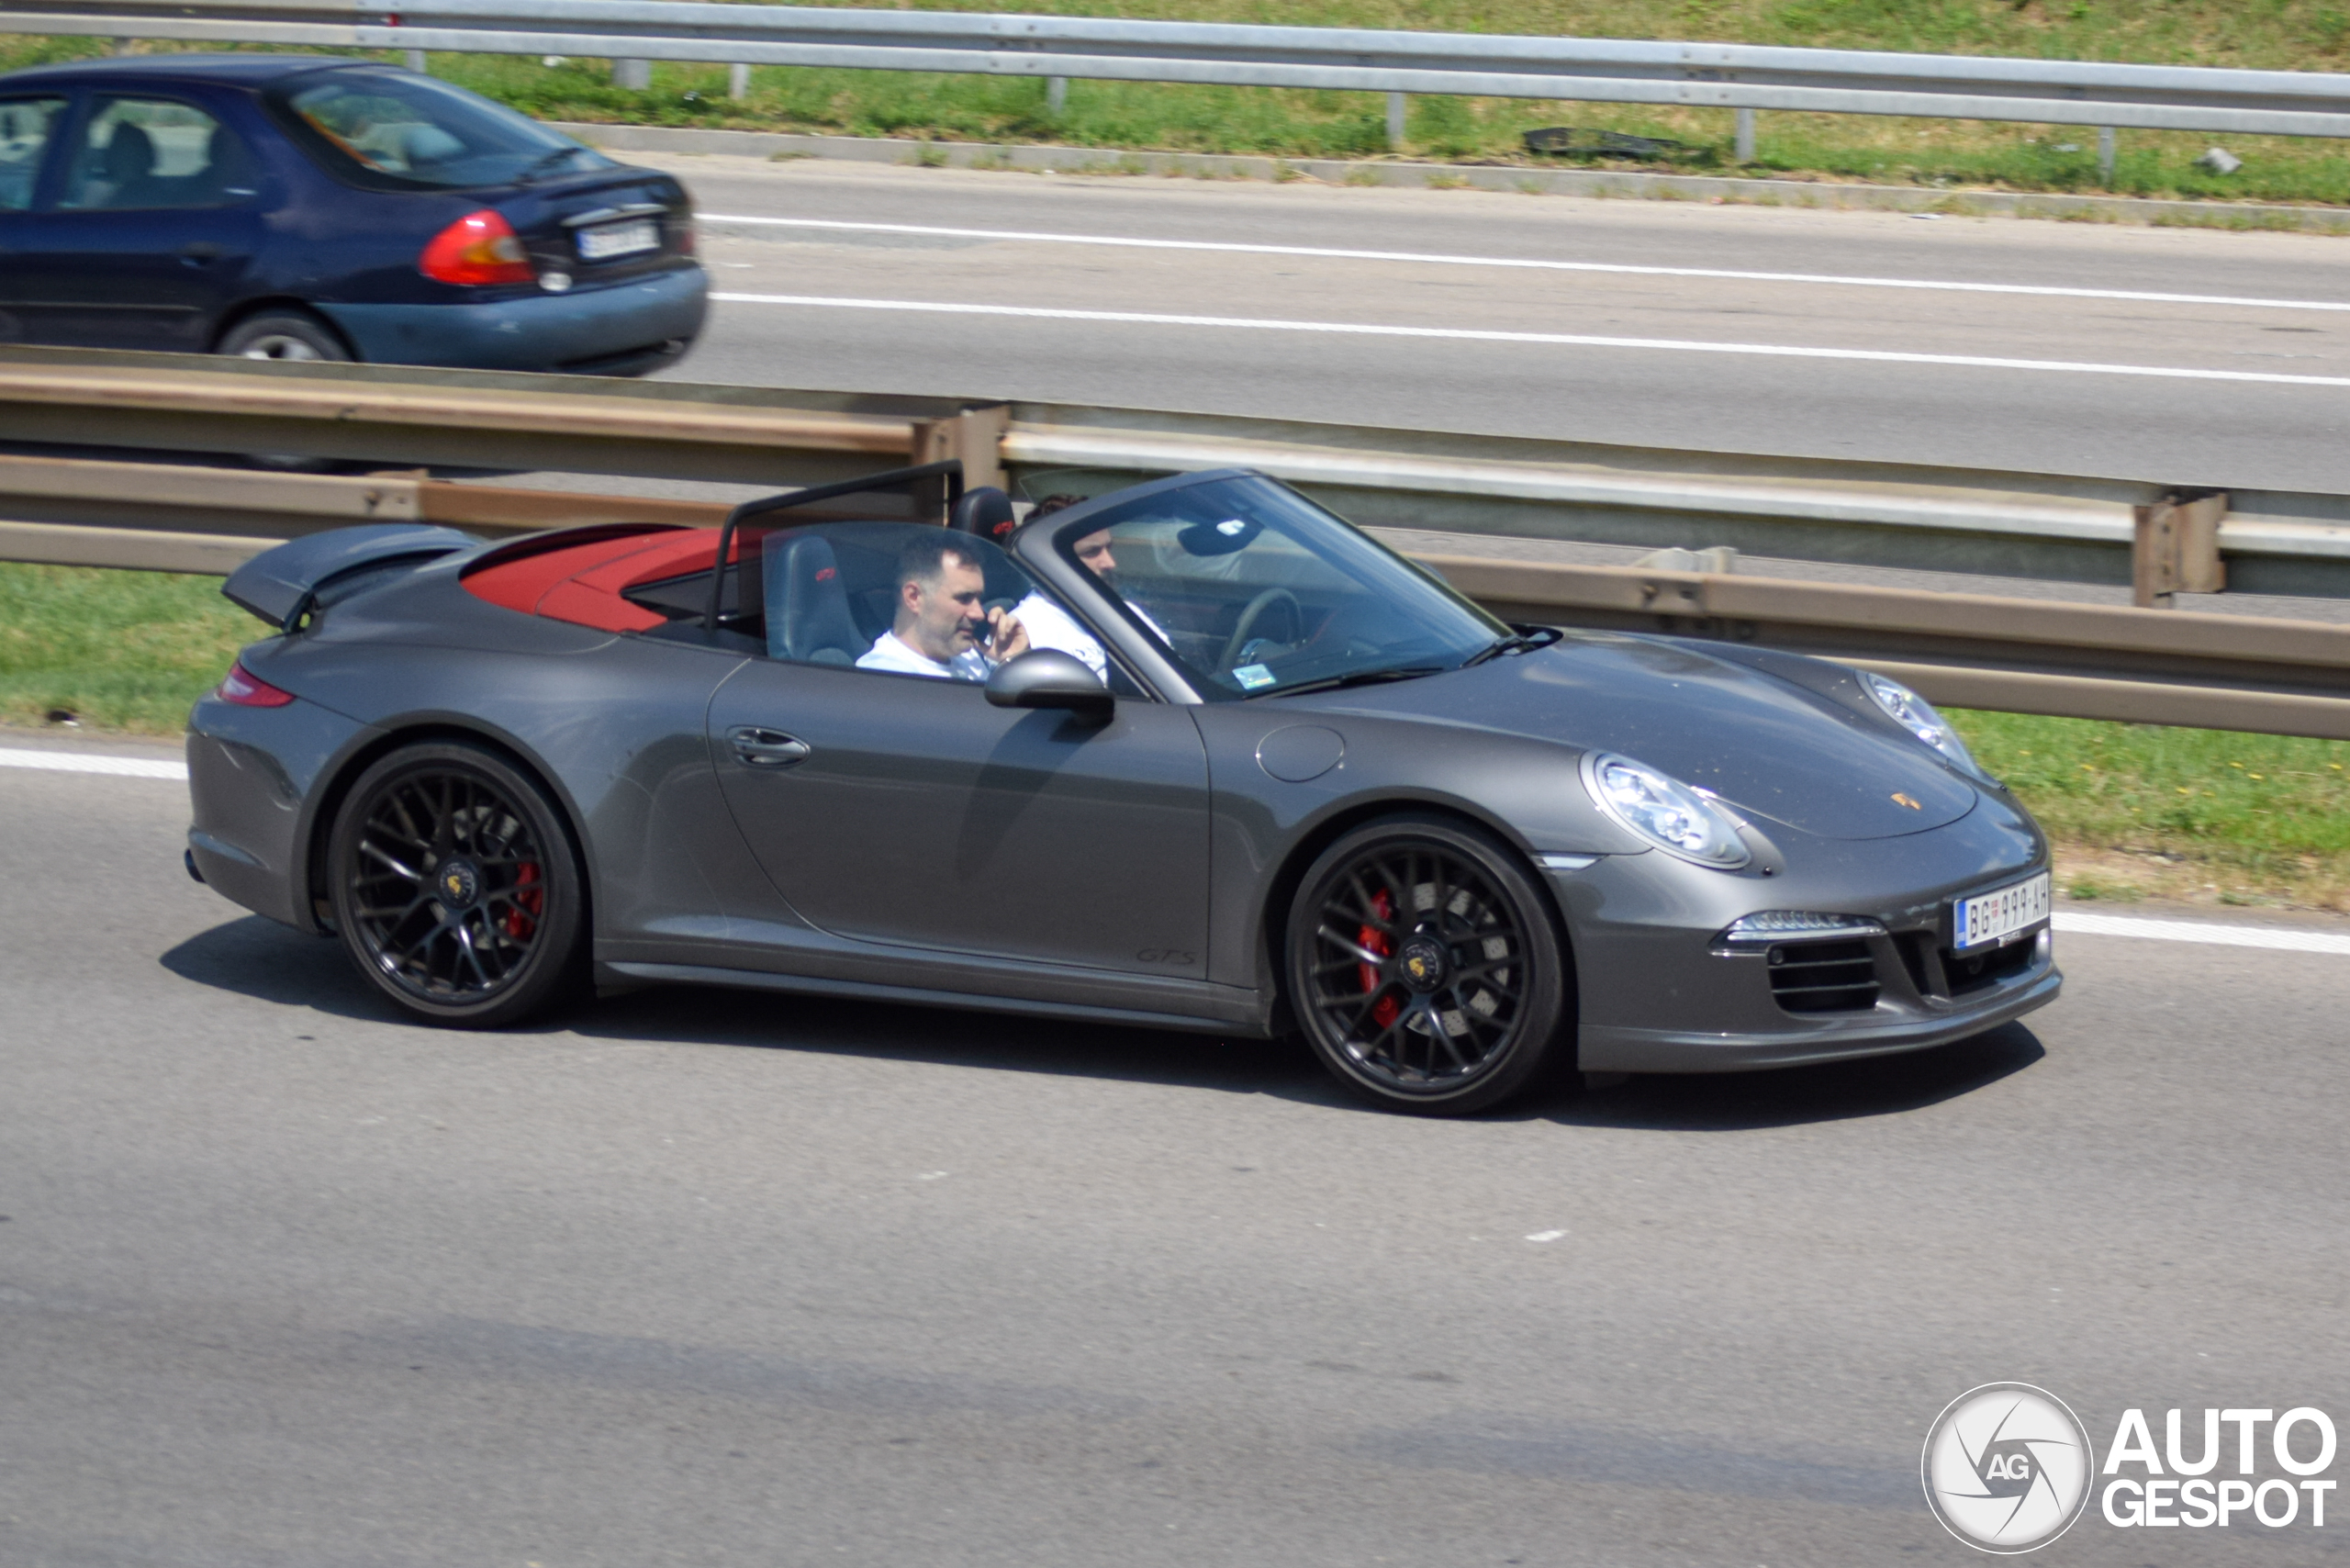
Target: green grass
(2246,818)
(2304,34)
(120,650)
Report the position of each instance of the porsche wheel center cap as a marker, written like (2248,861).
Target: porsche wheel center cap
(1422,964)
(457,883)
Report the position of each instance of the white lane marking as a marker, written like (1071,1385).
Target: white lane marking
(1430,258)
(85,762)
(1546,1236)
(1571,339)
(2073,924)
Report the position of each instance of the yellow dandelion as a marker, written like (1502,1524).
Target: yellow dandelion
(2251,776)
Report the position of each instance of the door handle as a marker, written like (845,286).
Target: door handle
(768,748)
(198,252)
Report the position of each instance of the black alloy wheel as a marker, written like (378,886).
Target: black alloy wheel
(455,886)
(1425,969)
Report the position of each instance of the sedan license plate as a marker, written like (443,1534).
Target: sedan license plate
(619,239)
(1991,918)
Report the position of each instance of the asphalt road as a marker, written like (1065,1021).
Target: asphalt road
(943,312)
(698,1279)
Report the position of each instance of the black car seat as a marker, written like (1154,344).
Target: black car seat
(127,164)
(227,167)
(986,512)
(808,613)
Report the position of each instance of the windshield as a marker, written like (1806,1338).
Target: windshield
(1255,589)
(403,132)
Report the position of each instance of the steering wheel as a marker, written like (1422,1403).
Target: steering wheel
(1255,612)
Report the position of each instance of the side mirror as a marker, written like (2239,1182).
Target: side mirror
(1048,679)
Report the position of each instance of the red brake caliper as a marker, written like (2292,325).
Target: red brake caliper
(529,902)
(1383,1011)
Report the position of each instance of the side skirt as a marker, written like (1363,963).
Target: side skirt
(1244,1015)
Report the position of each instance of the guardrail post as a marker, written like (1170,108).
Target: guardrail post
(975,435)
(1745,151)
(738,81)
(1395,121)
(2104,153)
(636,75)
(1056,93)
(416,61)
(2176,549)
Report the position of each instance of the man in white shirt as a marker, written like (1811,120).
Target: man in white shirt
(1050,626)
(942,628)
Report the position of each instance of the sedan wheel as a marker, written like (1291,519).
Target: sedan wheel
(283,335)
(1425,968)
(456,888)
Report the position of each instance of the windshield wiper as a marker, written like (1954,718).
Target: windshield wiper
(547,161)
(1359,677)
(1515,643)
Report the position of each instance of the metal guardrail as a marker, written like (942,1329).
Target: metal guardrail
(1742,76)
(2069,528)
(2087,660)
(477,419)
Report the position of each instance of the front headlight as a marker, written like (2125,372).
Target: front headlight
(1917,715)
(1662,810)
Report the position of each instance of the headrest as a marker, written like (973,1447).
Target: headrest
(129,154)
(986,512)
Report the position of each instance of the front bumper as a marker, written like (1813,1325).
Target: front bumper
(622,329)
(1657,993)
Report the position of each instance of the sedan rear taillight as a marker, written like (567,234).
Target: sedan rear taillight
(480,247)
(246,690)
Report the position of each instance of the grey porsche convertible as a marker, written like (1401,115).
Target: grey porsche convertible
(1190,754)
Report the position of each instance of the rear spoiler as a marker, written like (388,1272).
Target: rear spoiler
(282,583)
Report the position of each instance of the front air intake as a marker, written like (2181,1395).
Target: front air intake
(1823,976)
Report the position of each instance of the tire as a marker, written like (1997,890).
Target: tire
(1425,969)
(455,886)
(294,336)
(284,334)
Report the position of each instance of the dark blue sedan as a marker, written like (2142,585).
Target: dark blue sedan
(289,208)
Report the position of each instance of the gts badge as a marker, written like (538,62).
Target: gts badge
(1909,800)
(1173,956)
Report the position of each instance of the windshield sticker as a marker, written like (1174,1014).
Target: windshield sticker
(1251,677)
(1232,528)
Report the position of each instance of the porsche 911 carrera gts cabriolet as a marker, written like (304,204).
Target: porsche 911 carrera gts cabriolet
(1191,753)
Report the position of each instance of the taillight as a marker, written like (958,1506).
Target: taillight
(480,247)
(246,690)
(684,231)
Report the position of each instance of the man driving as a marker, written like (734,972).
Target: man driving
(942,627)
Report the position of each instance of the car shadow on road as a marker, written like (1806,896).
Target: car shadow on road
(262,959)
(259,958)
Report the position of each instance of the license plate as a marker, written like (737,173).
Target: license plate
(619,239)
(1989,918)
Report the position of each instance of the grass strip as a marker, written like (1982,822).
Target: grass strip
(2298,35)
(116,650)
(2136,809)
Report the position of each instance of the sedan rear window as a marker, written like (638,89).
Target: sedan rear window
(403,132)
